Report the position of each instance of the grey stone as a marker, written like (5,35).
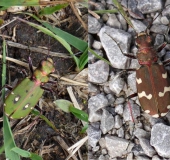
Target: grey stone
(159,28)
(98,72)
(96,103)
(107,121)
(122,21)
(116,146)
(160,139)
(119,109)
(156,157)
(99,6)
(102,142)
(94,135)
(166,11)
(110,38)
(159,39)
(94,25)
(111,98)
(118,122)
(97,45)
(164,20)
(140,133)
(135,111)
(148,6)
(93,89)
(131,81)
(116,84)
(119,100)
(129,156)
(147,148)
(134,64)
(138,25)
(133,10)
(105,17)
(113,22)
(120,132)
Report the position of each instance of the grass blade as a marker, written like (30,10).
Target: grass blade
(51,10)
(9,142)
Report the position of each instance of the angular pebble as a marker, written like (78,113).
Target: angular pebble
(147,148)
(148,6)
(160,139)
(94,25)
(96,103)
(94,135)
(135,111)
(116,146)
(116,84)
(98,72)
(107,121)
(110,37)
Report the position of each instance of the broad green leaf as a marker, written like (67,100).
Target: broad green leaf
(35,157)
(63,105)
(51,10)
(21,152)
(9,142)
(79,113)
(84,129)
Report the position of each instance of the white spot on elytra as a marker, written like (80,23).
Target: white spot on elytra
(26,106)
(31,107)
(166,89)
(139,80)
(17,98)
(163,114)
(164,75)
(155,115)
(143,94)
(168,106)
(4,104)
(12,92)
(147,111)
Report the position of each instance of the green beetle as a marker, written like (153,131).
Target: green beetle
(27,93)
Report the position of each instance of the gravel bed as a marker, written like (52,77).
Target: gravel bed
(112,133)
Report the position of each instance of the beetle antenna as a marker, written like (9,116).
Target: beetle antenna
(150,24)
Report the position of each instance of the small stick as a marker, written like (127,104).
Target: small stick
(39,50)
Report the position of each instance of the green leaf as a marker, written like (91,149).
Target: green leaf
(9,142)
(27,154)
(106,11)
(35,157)
(63,105)
(79,113)
(19,2)
(83,60)
(84,129)
(51,10)
(21,152)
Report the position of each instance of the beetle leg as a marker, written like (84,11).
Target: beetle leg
(31,66)
(132,95)
(159,48)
